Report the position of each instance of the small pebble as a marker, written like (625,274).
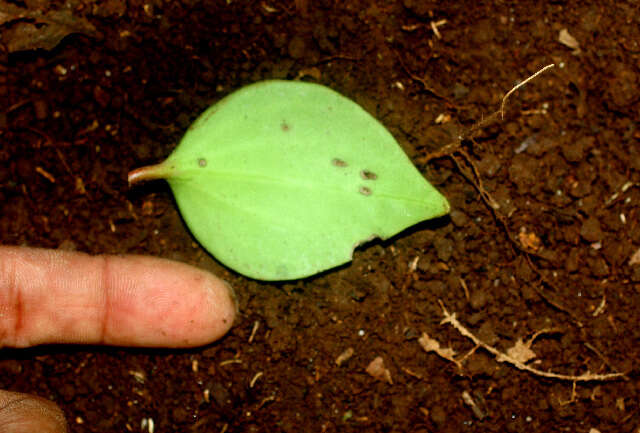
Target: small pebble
(458,218)
(444,248)
(297,47)
(478,299)
(591,230)
(40,109)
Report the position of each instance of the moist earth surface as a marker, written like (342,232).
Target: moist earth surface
(536,258)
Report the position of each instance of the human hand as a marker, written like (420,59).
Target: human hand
(67,297)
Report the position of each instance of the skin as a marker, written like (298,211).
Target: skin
(67,297)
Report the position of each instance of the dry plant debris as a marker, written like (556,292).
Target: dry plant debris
(30,29)
(504,99)
(521,351)
(469,401)
(344,356)
(432,345)
(377,370)
(517,356)
(529,240)
(567,40)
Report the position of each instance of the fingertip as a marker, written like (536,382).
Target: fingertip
(21,413)
(232,296)
(223,308)
(162,303)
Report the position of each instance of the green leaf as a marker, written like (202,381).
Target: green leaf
(281,180)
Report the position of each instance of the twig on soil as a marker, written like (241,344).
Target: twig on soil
(571,400)
(256,325)
(435,25)
(338,57)
(543,294)
(469,401)
(448,354)
(475,179)
(527,252)
(16,106)
(504,100)
(255,379)
(470,171)
(463,283)
(603,358)
(44,173)
(452,148)
(424,83)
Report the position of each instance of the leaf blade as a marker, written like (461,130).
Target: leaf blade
(298,176)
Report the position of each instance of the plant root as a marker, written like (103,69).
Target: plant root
(517,356)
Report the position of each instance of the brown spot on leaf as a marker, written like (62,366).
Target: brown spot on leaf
(368,175)
(364,190)
(338,162)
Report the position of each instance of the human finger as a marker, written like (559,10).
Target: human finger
(53,296)
(23,413)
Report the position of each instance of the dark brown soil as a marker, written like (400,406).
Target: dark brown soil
(564,168)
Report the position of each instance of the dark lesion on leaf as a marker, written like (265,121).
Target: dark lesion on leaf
(364,190)
(339,162)
(368,175)
(202,162)
(285,126)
